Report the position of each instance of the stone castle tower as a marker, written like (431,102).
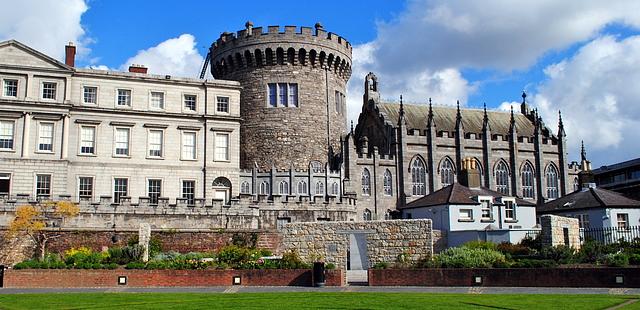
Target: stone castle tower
(293,101)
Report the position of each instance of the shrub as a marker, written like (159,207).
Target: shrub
(480,245)
(381,265)
(135,265)
(634,259)
(291,260)
(234,255)
(513,249)
(534,263)
(617,260)
(465,257)
(532,243)
(155,244)
(561,253)
(330,266)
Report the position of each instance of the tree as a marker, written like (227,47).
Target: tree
(36,221)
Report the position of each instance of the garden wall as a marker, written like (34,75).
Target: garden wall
(41,278)
(518,277)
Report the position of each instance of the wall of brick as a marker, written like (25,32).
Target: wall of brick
(39,278)
(522,277)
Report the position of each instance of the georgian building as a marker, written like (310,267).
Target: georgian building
(91,135)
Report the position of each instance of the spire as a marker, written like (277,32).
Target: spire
(524,97)
(561,132)
(485,117)
(524,107)
(583,153)
(430,115)
(458,114)
(352,127)
(513,120)
(401,116)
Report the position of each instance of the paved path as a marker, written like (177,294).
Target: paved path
(394,289)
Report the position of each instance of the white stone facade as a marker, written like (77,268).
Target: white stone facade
(104,125)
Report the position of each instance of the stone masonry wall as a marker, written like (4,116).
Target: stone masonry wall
(386,240)
(553,230)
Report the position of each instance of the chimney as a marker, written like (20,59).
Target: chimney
(70,55)
(470,175)
(138,69)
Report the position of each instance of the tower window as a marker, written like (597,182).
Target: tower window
(283,95)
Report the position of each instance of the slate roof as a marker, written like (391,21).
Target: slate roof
(588,199)
(445,118)
(458,194)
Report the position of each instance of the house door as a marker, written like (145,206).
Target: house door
(358,261)
(222,189)
(221,194)
(5,183)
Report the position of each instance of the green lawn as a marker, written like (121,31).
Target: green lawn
(130,301)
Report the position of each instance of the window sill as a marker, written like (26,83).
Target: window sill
(221,161)
(128,107)
(8,150)
(510,221)
(188,159)
(466,220)
(487,221)
(121,156)
(45,152)
(155,158)
(87,155)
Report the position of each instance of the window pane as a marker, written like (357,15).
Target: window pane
(155,189)
(124,97)
(223,104)
(282,94)
(189,145)
(222,147)
(43,186)
(273,95)
(11,88)
(189,191)
(6,135)
(190,102)
(293,95)
(48,90)
(122,141)
(90,94)
(157,100)
(87,143)
(85,187)
(120,189)
(45,137)
(155,143)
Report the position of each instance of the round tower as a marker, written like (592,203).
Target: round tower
(293,101)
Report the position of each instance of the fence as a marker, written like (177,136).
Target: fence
(609,235)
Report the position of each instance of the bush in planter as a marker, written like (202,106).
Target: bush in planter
(534,263)
(135,265)
(155,245)
(465,257)
(561,253)
(381,265)
(634,259)
(330,266)
(617,260)
(291,260)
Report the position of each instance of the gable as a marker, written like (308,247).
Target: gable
(15,55)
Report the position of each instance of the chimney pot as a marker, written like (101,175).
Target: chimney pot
(70,54)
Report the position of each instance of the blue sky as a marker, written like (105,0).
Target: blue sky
(581,57)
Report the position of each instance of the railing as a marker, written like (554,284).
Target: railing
(532,233)
(609,235)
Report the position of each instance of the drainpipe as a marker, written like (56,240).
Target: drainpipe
(204,167)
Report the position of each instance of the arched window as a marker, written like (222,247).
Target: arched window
(502,178)
(480,170)
(316,166)
(388,187)
(335,189)
(319,188)
(446,173)
(552,182)
(245,188)
(302,187)
(264,188)
(418,177)
(284,188)
(366,182)
(366,215)
(527,181)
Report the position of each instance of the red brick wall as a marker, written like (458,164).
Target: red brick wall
(182,242)
(522,277)
(38,278)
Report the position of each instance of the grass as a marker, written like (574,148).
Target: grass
(307,301)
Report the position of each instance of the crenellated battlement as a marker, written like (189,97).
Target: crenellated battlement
(257,47)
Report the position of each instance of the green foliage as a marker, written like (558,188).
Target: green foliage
(291,260)
(634,259)
(465,257)
(617,260)
(330,266)
(135,265)
(561,253)
(532,243)
(244,240)
(534,263)
(480,245)
(513,249)
(155,244)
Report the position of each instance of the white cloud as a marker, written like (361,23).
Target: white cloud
(46,25)
(595,90)
(175,56)
(507,106)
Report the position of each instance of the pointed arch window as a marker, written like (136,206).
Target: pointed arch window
(366,215)
(245,188)
(502,178)
(284,188)
(386,182)
(366,182)
(446,173)
(302,188)
(527,181)
(418,177)
(335,189)
(552,182)
(264,188)
(319,188)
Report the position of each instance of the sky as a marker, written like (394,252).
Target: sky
(578,57)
